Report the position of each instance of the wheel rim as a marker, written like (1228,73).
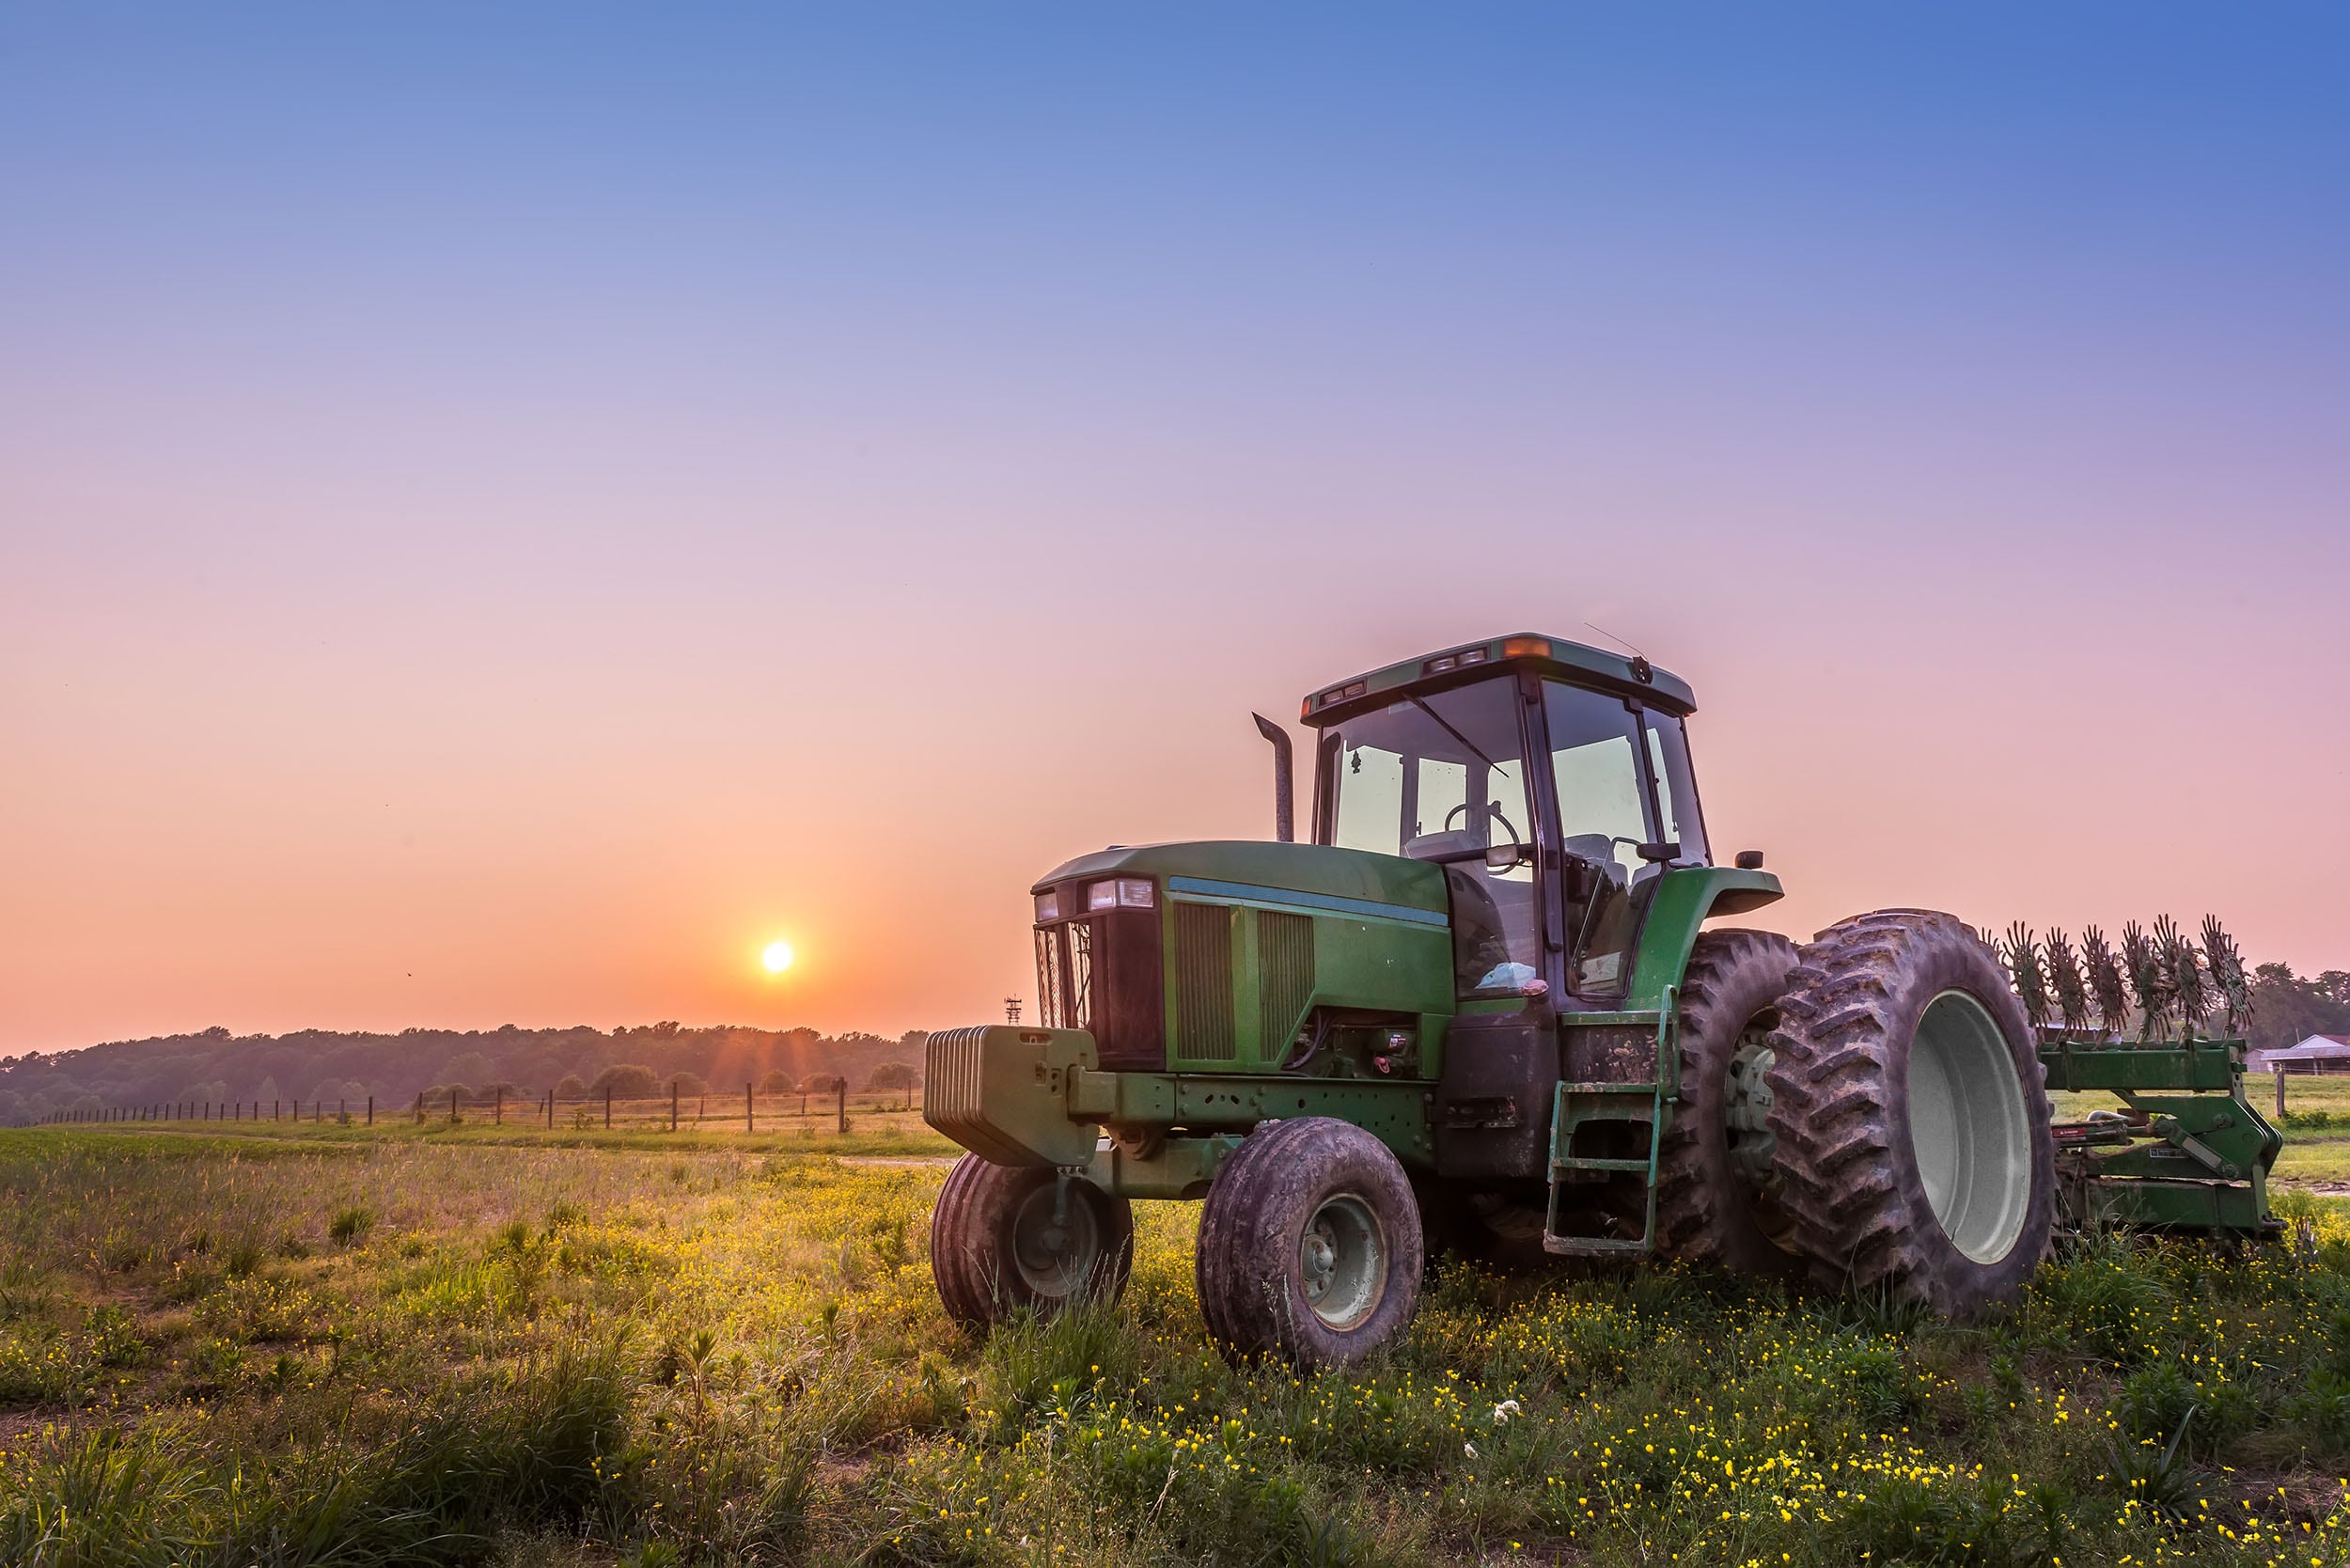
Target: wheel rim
(1968,1129)
(1055,1256)
(1342,1258)
(1747,1110)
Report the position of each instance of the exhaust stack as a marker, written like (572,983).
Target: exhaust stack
(1284,819)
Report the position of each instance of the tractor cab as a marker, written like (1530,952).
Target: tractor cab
(1551,783)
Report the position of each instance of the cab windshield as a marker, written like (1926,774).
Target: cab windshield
(1441,776)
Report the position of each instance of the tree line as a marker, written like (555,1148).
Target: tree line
(332,1066)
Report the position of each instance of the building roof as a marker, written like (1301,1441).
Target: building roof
(2326,1046)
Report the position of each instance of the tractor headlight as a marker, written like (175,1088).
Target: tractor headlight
(1048,907)
(1126,892)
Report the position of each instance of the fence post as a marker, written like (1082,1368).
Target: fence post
(420,1107)
(452,1107)
(607,1108)
(673,1104)
(749,1125)
(497,1099)
(2281,1091)
(844,1103)
(342,1108)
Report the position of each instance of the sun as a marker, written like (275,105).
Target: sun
(778,957)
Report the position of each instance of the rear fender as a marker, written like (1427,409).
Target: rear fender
(1685,898)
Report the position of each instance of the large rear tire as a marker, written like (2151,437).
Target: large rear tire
(1913,1150)
(1716,1156)
(1001,1241)
(1310,1248)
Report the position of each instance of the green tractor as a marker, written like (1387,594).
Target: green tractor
(1484,1010)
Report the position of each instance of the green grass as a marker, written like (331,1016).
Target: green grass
(587,1350)
(872,1132)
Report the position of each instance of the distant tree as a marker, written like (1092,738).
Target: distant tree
(213,1091)
(776,1082)
(2287,1010)
(689,1083)
(626,1081)
(269,1091)
(471,1067)
(572,1088)
(913,1039)
(820,1083)
(892,1075)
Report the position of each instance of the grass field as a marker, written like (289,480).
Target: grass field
(307,1346)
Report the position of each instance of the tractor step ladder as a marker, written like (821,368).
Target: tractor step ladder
(1637,1104)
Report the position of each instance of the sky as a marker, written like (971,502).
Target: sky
(506,511)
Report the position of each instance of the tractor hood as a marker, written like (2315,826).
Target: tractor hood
(1308,877)
(1214,956)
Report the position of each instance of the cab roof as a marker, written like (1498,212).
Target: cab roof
(1573,662)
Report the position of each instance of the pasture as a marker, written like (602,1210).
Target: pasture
(282,1345)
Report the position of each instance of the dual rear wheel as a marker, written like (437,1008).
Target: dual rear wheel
(1868,1109)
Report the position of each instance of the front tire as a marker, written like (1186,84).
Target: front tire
(1310,1247)
(1002,1240)
(1912,1150)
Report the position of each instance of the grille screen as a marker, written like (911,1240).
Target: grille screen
(1286,956)
(1204,981)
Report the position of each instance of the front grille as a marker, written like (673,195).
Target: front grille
(1103,973)
(1286,966)
(1204,981)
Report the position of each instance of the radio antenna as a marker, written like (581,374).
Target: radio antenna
(1612,637)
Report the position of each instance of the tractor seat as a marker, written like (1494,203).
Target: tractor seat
(1598,849)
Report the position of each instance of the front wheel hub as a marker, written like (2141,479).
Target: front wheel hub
(1342,1262)
(1055,1244)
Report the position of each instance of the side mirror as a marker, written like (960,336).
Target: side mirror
(1750,860)
(1504,858)
(1668,850)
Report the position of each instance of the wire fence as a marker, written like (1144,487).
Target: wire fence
(749,1111)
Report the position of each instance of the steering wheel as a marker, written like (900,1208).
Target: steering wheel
(1493,810)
